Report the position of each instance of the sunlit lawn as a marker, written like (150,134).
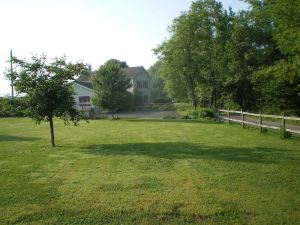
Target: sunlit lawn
(147,172)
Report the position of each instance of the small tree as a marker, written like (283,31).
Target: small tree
(48,89)
(110,87)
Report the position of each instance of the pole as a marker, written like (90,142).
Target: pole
(228,114)
(11,76)
(283,122)
(243,118)
(260,122)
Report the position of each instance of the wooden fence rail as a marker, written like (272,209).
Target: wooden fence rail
(259,122)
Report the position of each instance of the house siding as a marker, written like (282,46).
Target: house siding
(82,91)
(83,87)
(142,77)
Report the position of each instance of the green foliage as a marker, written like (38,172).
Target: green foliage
(201,113)
(18,107)
(247,60)
(5,107)
(157,88)
(278,85)
(286,16)
(48,90)
(121,64)
(110,87)
(191,59)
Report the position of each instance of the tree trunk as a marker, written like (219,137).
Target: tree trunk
(52,132)
(195,104)
(193,97)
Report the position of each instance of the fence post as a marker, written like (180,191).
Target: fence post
(243,118)
(219,119)
(260,122)
(283,122)
(228,114)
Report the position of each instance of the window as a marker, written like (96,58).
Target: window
(84,99)
(139,84)
(145,98)
(145,84)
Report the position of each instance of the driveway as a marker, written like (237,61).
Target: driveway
(148,114)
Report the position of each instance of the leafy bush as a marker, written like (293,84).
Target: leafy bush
(202,113)
(16,108)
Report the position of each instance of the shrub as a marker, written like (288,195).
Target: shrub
(202,113)
(16,108)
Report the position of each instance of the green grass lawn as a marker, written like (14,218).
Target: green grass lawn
(147,172)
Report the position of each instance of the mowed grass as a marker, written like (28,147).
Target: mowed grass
(147,172)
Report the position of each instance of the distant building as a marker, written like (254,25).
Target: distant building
(139,79)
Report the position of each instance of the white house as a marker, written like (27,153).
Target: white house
(84,93)
(83,87)
(140,81)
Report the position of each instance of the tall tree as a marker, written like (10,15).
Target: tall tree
(48,89)
(178,59)
(192,57)
(278,84)
(110,86)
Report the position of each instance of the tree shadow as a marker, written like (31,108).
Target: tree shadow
(182,150)
(17,138)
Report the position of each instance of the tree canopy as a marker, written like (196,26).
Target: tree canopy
(110,86)
(48,89)
(249,59)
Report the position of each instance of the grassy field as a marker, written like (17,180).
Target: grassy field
(147,172)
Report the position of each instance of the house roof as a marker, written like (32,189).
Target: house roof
(133,71)
(85,84)
(86,79)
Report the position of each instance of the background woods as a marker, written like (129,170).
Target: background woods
(250,59)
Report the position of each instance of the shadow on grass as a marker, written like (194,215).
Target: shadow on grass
(17,138)
(182,150)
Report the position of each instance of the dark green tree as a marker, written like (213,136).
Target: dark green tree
(178,56)
(110,87)
(278,83)
(192,59)
(48,89)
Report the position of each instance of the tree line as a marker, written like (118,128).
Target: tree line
(218,58)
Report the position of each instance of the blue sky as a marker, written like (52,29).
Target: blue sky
(91,31)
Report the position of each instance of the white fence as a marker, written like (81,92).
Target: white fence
(239,117)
